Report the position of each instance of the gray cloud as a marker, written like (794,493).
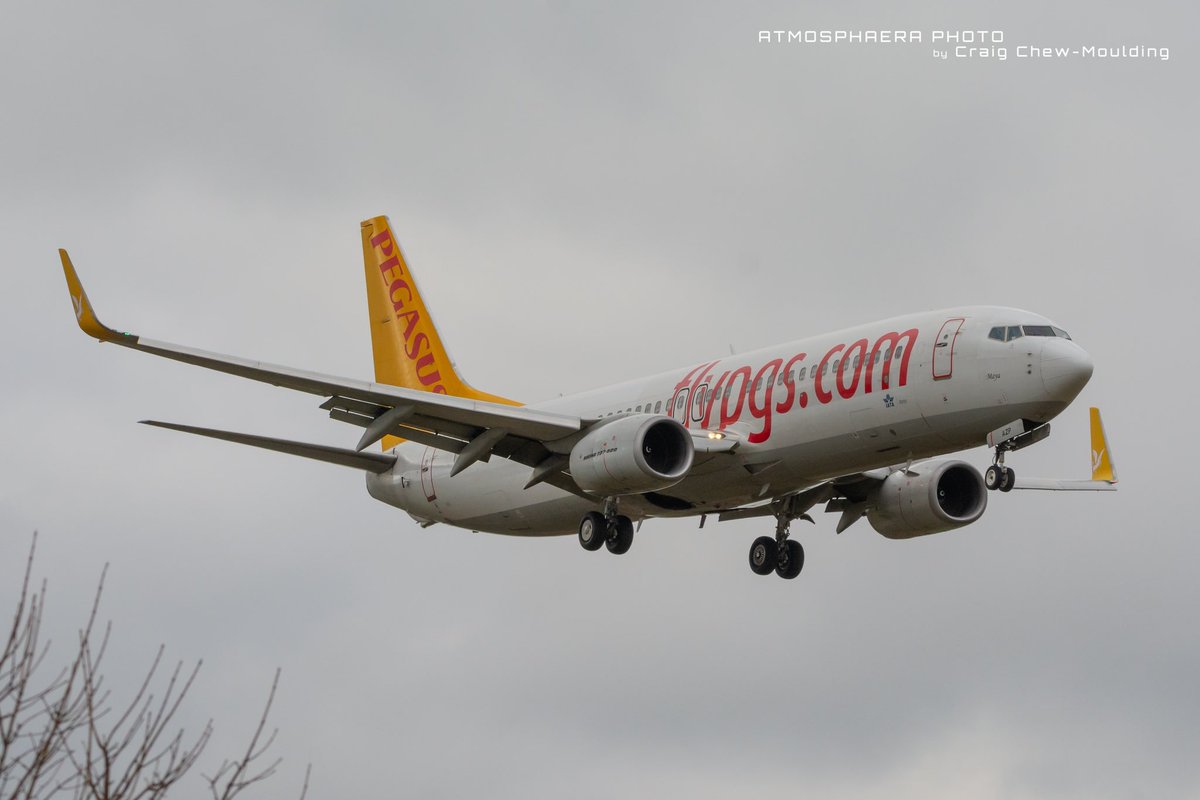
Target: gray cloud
(556,172)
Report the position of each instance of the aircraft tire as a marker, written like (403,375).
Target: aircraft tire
(592,531)
(795,560)
(1008,479)
(764,555)
(620,536)
(991,478)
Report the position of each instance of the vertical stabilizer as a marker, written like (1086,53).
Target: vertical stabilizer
(408,350)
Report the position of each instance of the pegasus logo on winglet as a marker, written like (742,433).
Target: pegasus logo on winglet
(77,301)
(1097,457)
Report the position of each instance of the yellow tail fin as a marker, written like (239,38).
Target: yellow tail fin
(408,351)
(1102,464)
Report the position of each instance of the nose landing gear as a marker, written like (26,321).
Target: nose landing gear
(999,476)
(1014,436)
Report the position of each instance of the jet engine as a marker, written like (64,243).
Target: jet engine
(929,498)
(632,455)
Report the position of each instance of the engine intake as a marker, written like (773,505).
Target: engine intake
(942,496)
(632,455)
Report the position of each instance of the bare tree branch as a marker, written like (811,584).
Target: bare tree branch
(236,774)
(64,737)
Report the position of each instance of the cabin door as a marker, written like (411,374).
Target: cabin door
(943,349)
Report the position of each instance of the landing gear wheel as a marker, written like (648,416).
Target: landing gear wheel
(991,478)
(764,555)
(1007,480)
(620,536)
(592,530)
(795,560)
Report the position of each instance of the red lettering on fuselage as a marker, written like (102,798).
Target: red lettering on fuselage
(768,387)
(853,370)
(729,417)
(855,364)
(893,341)
(823,394)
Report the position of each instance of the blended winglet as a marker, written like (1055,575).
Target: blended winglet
(1104,474)
(1102,460)
(85,315)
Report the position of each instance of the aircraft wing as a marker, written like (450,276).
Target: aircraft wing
(1104,470)
(474,429)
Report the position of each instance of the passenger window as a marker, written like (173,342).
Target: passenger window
(1014,332)
(997,334)
(639,409)
(899,350)
(658,406)
(802,371)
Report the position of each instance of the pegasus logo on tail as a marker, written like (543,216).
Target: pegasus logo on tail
(77,301)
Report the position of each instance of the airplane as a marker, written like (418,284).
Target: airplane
(854,420)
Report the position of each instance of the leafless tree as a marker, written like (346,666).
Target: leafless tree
(62,734)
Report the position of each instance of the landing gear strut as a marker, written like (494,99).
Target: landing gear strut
(1013,436)
(610,529)
(781,555)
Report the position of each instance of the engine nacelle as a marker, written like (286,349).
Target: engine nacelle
(632,455)
(942,496)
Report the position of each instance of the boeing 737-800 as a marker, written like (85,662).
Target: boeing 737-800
(848,419)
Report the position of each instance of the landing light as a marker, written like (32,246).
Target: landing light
(716,435)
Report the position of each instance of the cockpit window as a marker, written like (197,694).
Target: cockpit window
(1005,334)
(1045,330)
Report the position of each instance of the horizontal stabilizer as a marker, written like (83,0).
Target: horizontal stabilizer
(371,462)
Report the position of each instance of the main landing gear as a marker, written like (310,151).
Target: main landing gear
(610,529)
(781,555)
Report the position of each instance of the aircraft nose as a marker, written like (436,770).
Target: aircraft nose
(1066,369)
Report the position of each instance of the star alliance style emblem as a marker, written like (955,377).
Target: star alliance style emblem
(889,401)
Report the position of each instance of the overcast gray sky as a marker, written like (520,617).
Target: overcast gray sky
(587,193)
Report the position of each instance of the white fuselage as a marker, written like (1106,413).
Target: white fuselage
(881,394)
